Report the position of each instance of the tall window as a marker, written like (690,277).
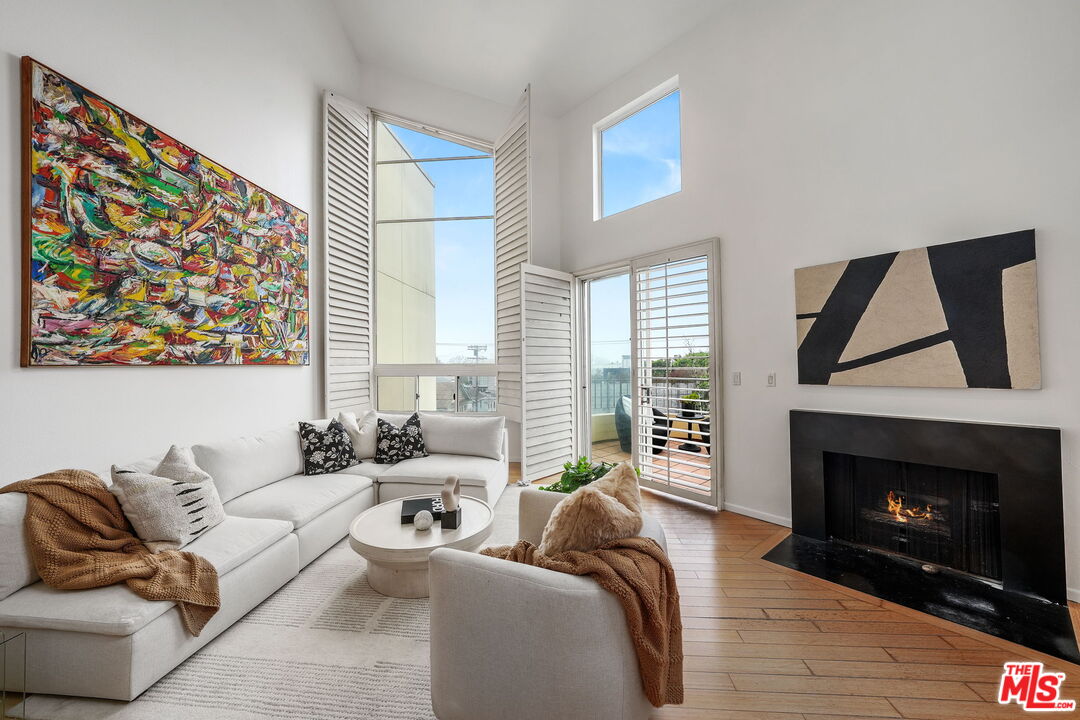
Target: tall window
(435,270)
(638,153)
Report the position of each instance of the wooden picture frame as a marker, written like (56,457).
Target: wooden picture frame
(139,250)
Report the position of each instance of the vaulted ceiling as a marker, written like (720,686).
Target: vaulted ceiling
(567,49)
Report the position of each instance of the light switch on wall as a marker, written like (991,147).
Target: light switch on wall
(772,379)
(736,378)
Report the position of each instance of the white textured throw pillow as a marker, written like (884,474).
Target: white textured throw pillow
(363,432)
(459,435)
(171,506)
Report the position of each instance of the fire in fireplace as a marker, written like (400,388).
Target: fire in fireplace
(939,515)
(903,514)
(960,520)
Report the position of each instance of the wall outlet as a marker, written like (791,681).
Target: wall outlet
(772,380)
(736,378)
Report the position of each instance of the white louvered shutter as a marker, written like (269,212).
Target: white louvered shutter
(512,225)
(348,256)
(547,424)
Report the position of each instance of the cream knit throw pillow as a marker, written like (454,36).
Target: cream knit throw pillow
(171,506)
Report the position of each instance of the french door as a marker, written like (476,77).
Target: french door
(640,342)
(675,359)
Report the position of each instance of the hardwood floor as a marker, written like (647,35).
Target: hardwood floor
(763,642)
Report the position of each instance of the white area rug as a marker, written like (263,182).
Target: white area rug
(325,646)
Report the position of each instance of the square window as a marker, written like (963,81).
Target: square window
(638,152)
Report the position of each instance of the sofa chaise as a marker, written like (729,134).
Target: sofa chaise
(109,643)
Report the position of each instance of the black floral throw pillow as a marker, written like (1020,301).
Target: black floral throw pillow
(326,451)
(395,444)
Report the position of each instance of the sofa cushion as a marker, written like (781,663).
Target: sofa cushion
(394,444)
(16,565)
(240,465)
(298,499)
(326,451)
(144,465)
(594,514)
(460,435)
(115,609)
(433,470)
(368,469)
(397,418)
(362,431)
(170,506)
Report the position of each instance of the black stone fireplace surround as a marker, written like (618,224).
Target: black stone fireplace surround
(1020,596)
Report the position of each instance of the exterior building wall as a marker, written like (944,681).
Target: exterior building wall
(405,263)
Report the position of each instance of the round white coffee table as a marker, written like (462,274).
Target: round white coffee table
(397,554)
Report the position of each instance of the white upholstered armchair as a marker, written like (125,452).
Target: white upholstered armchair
(515,641)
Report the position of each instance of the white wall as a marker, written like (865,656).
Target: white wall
(239,81)
(822,130)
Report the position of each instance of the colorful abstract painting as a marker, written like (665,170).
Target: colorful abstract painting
(141,251)
(962,314)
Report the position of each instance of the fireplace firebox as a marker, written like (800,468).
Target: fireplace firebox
(960,520)
(939,515)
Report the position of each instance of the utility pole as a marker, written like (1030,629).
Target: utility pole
(476,350)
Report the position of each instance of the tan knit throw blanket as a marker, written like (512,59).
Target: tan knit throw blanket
(80,539)
(638,573)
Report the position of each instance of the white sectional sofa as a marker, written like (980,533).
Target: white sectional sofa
(109,643)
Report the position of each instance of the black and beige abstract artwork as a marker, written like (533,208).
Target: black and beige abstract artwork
(963,314)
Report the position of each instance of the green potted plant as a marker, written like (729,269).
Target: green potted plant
(691,402)
(579,474)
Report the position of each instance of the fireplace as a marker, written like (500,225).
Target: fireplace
(959,520)
(939,515)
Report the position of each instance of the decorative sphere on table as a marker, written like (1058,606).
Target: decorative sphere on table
(423,520)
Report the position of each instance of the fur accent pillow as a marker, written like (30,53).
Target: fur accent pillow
(400,443)
(362,432)
(326,451)
(602,511)
(171,506)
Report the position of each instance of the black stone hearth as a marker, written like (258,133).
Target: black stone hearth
(963,521)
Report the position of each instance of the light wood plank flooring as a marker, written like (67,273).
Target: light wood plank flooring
(763,642)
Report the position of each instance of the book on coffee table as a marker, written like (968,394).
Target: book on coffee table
(410,507)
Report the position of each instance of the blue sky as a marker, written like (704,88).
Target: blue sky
(464,249)
(609,320)
(641,161)
(641,156)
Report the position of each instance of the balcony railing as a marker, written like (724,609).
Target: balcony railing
(606,394)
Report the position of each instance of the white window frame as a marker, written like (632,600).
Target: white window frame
(454,370)
(417,370)
(710,248)
(583,338)
(658,93)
